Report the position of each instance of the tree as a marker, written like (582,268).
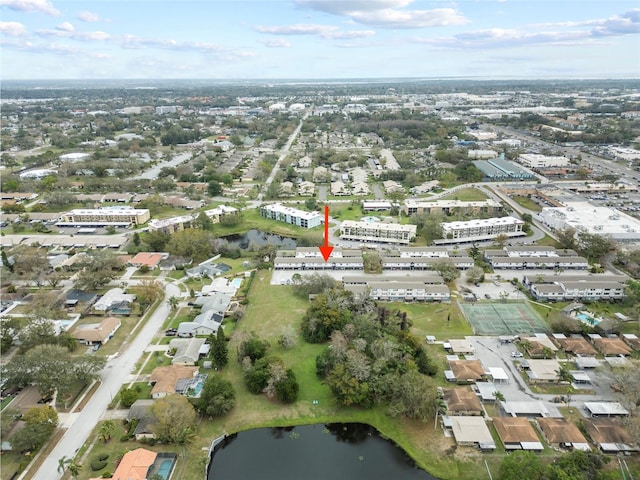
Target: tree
(566,239)
(412,395)
(520,465)
(191,243)
(218,397)
(347,389)
(594,246)
(220,349)
(447,269)
(501,239)
(256,376)
(173,302)
(287,388)
(62,463)
(31,437)
(253,347)
(106,430)
(329,311)
(203,221)
(75,469)
(475,275)
(313,283)
(128,397)
(148,292)
(214,188)
(576,465)
(97,269)
(175,419)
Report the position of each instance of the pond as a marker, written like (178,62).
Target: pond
(258,238)
(352,451)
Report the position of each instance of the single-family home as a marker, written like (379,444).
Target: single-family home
(517,433)
(188,350)
(97,333)
(165,379)
(141,411)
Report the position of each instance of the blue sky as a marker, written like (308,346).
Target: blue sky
(313,39)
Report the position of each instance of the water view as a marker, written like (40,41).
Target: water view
(335,451)
(258,238)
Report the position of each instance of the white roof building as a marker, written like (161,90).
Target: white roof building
(605,409)
(534,160)
(471,430)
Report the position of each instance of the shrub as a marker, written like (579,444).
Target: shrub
(98,465)
(106,474)
(102,457)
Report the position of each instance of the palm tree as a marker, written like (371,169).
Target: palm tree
(498,396)
(547,352)
(74,469)
(62,463)
(107,428)
(173,302)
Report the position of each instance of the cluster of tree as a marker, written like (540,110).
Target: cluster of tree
(576,465)
(177,135)
(428,226)
(266,374)
(97,269)
(312,283)
(371,357)
(217,398)
(219,349)
(174,419)
(630,261)
(35,367)
(592,246)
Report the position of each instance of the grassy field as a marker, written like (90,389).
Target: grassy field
(431,319)
(527,203)
(466,195)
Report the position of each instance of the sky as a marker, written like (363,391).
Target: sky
(318,39)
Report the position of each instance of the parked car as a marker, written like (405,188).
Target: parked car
(516,354)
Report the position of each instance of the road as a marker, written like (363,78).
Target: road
(115,373)
(152,173)
(283,154)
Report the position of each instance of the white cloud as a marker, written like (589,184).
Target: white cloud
(299,29)
(13,29)
(438,17)
(31,6)
(346,7)
(349,35)
(276,43)
(569,33)
(387,13)
(88,17)
(65,27)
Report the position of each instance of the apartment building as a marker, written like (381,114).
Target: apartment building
(280,213)
(171,225)
(536,257)
(102,217)
(481,230)
(377,232)
(576,287)
(303,258)
(451,207)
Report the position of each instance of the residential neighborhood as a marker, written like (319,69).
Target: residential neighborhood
(458,269)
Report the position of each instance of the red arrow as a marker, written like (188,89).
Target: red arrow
(326,249)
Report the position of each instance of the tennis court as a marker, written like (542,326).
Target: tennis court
(502,318)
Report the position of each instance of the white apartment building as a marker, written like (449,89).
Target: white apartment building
(534,160)
(102,217)
(280,213)
(481,230)
(449,207)
(377,232)
(171,225)
(220,212)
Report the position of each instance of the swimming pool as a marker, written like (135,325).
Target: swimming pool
(236,282)
(588,319)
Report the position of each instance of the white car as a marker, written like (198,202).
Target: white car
(516,355)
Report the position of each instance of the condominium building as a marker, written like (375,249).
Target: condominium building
(576,287)
(450,207)
(310,258)
(536,257)
(102,217)
(426,288)
(481,230)
(171,225)
(377,232)
(277,211)
(220,212)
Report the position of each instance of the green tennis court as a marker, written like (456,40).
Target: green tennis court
(502,318)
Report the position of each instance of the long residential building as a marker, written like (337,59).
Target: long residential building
(310,258)
(378,232)
(535,257)
(102,217)
(576,287)
(424,258)
(481,230)
(281,213)
(450,207)
(176,224)
(430,288)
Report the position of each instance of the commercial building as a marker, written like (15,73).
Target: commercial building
(592,219)
(451,207)
(536,161)
(481,230)
(103,217)
(499,169)
(378,232)
(293,216)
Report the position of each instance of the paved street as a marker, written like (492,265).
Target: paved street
(113,376)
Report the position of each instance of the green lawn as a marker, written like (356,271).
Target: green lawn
(466,195)
(431,319)
(526,202)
